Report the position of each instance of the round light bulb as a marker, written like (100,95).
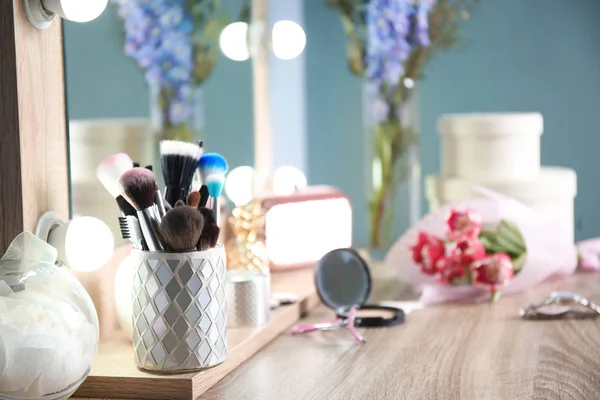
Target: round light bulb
(76,10)
(83,243)
(287,180)
(233,41)
(288,40)
(238,186)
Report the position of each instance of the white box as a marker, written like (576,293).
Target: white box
(551,194)
(491,147)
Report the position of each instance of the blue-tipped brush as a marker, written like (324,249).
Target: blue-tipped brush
(212,169)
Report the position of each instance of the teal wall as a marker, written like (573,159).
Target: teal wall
(521,55)
(103,83)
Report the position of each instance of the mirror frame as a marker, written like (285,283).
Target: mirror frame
(33,134)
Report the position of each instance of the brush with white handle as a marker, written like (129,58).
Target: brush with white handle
(109,172)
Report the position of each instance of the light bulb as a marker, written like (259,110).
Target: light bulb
(287,180)
(288,40)
(76,10)
(233,41)
(83,243)
(238,186)
(40,13)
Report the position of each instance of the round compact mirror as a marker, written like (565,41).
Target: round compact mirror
(343,280)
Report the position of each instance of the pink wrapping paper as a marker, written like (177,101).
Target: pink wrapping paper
(549,250)
(589,252)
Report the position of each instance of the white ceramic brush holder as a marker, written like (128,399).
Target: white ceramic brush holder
(179,310)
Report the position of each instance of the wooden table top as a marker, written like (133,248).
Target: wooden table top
(445,352)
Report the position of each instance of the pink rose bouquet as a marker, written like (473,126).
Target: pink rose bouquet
(469,255)
(478,249)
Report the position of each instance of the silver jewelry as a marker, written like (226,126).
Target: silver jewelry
(561,305)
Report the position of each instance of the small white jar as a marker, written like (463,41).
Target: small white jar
(552,194)
(491,147)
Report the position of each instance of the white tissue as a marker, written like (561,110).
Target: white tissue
(45,344)
(5,290)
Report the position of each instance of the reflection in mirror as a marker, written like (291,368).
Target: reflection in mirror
(140,74)
(327,114)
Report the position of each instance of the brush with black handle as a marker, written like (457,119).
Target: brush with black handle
(158,198)
(179,161)
(210,231)
(139,188)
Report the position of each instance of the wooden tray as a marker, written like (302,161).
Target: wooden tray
(115,376)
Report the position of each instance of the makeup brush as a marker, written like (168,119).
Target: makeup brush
(139,187)
(210,232)
(160,203)
(108,173)
(181,228)
(212,169)
(158,198)
(197,180)
(203,196)
(193,199)
(130,229)
(179,161)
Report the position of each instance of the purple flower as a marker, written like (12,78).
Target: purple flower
(388,27)
(422,22)
(179,111)
(184,92)
(379,109)
(393,28)
(158,37)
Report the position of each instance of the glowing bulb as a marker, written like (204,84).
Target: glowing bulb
(238,186)
(83,243)
(287,180)
(233,41)
(288,40)
(76,10)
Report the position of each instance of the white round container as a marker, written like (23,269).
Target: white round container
(491,147)
(552,194)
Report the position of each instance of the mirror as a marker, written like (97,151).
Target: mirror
(322,113)
(112,107)
(343,280)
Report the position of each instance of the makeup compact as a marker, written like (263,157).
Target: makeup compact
(344,284)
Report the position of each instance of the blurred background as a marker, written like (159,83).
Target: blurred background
(517,55)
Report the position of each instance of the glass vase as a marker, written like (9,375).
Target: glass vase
(177,115)
(395,181)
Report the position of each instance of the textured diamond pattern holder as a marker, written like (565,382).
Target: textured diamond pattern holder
(179,310)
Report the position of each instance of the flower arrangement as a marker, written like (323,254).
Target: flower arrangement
(389,44)
(471,255)
(174,42)
(536,247)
